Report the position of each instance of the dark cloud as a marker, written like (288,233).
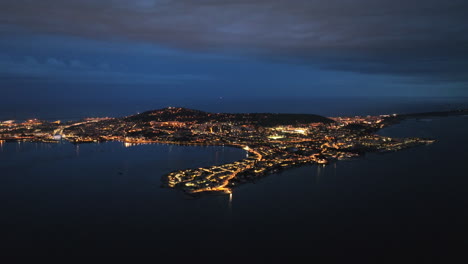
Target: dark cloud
(427,39)
(56,70)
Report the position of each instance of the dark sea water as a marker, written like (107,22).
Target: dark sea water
(106,199)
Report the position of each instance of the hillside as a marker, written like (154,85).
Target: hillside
(191,115)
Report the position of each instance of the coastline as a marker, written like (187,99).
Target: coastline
(269,149)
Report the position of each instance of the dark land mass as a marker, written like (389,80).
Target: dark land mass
(400,117)
(261,119)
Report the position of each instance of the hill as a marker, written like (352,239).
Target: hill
(190,115)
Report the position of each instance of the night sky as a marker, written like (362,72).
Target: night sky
(116,50)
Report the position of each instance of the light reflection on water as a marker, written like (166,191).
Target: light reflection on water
(318,174)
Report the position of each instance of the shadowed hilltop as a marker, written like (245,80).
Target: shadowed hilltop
(273,142)
(262,119)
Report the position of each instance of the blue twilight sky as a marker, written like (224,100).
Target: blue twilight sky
(122,50)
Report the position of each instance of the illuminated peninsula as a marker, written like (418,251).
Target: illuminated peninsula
(273,142)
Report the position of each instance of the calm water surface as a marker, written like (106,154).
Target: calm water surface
(105,198)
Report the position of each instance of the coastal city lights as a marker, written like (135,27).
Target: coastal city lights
(273,142)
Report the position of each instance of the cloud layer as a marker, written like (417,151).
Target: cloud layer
(423,39)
